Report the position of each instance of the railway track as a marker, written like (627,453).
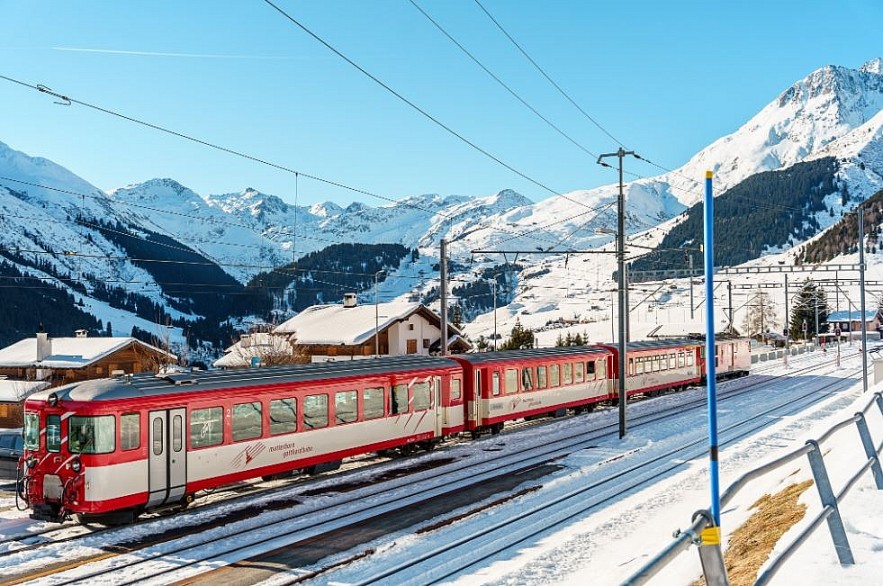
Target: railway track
(298,527)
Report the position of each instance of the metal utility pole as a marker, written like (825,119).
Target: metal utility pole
(787,323)
(861,290)
(622,284)
(691,286)
(729,301)
(443,292)
(376,317)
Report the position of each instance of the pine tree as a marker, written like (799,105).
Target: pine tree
(811,302)
(519,338)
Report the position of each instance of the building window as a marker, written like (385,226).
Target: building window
(411,327)
(426,342)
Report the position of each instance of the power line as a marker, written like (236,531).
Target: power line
(414,106)
(501,82)
(546,75)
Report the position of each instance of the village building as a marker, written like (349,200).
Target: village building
(347,331)
(41,362)
(850,321)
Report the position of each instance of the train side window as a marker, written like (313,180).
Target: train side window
(672,361)
(159,441)
(92,435)
(456,393)
(690,359)
(32,431)
(372,403)
(206,427)
(511,381)
(400,400)
(579,374)
(130,431)
(541,377)
(681,360)
(247,421)
(663,363)
(422,396)
(527,379)
(316,411)
(283,416)
(345,407)
(631,367)
(656,364)
(602,369)
(477,384)
(639,367)
(568,373)
(554,376)
(53,433)
(177,433)
(590,370)
(496,384)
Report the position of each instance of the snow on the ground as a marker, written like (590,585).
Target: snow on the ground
(609,545)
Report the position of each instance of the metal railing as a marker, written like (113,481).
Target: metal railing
(830,501)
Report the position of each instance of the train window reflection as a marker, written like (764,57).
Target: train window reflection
(283,416)
(315,411)
(206,427)
(247,421)
(541,377)
(92,435)
(511,380)
(32,431)
(130,431)
(372,403)
(422,396)
(553,374)
(345,408)
(53,433)
(400,400)
(578,373)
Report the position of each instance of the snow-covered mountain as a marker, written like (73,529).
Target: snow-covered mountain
(833,112)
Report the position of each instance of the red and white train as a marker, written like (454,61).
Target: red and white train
(111,449)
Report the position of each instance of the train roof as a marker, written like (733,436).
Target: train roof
(152,385)
(487,357)
(654,344)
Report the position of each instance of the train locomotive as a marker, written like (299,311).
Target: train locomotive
(109,450)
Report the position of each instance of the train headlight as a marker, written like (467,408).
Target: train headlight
(76,465)
(32,461)
(52,399)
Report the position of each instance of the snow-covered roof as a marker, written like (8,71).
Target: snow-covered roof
(13,391)
(336,324)
(66,352)
(870,314)
(258,345)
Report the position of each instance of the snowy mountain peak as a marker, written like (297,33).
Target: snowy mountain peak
(326,209)
(873,66)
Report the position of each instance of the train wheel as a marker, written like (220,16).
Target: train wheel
(475,434)
(407,449)
(427,445)
(496,428)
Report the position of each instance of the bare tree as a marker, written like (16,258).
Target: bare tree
(266,349)
(761,315)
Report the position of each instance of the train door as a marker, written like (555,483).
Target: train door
(439,406)
(167,468)
(476,398)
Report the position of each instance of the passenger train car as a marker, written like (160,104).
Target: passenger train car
(111,449)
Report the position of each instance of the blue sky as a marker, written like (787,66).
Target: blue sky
(665,78)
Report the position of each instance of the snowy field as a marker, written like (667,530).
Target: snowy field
(609,544)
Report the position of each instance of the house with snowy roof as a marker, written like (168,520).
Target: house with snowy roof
(347,331)
(64,360)
(851,321)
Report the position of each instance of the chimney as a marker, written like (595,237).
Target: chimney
(349,300)
(44,344)
(245,341)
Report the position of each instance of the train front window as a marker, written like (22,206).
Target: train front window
(32,431)
(53,433)
(92,435)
